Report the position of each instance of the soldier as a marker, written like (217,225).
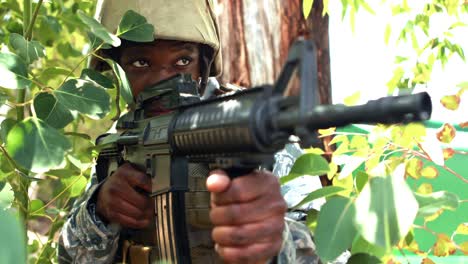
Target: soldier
(247,213)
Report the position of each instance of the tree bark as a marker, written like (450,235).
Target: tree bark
(256,37)
(235,60)
(318,28)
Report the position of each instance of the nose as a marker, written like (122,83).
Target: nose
(155,75)
(162,73)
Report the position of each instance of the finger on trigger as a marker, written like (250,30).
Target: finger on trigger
(139,179)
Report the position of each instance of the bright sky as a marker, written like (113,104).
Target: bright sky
(362,61)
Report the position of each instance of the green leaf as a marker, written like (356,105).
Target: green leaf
(99,30)
(15,26)
(7,196)
(352,19)
(400,59)
(79,135)
(310,164)
(386,209)
(29,51)
(3,98)
(85,97)
(457,24)
(388,32)
(348,163)
(409,238)
(326,5)
(81,165)
(53,73)
(307,164)
(446,133)
(62,173)
(319,193)
(13,72)
(134,27)
(451,102)
(36,146)
(429,172)
(12,244)
(413,167)
(97,77)
(367,7)
(49,28)
(462,229)
(311,220)
(363,258)
(360,245)
(335,229)
(36,207)
(307,7)
(67,50)
(124,84)
(96,42)
(5,167)
(33,247)
(76,184)
(352,99)
(5,128)
(463,88)
(345,5)
(429,204)
(51,111)
(361,179)
(339,139)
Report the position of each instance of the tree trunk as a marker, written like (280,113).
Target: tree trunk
(256,37)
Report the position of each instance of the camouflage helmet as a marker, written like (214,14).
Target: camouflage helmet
(170,22)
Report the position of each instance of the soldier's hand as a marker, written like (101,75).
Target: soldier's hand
(248,215)
(118,200)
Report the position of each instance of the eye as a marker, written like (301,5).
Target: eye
(183,61)
(140,63)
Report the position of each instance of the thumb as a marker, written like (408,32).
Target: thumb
(218,181)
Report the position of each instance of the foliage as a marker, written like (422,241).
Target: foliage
(49,102)
(378,212)
(12,240)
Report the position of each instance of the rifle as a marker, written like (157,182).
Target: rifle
(237,132)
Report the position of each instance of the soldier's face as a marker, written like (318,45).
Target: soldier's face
(148,63)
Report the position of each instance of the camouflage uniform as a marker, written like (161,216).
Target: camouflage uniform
(86,239)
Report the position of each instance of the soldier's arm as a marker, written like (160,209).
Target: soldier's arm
(85,238)
(298,246)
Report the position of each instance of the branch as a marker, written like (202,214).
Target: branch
(28,35)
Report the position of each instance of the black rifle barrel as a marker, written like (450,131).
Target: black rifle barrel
(247,123)
(386,110)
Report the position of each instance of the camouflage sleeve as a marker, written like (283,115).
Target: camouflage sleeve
(84,237)
(298,246)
